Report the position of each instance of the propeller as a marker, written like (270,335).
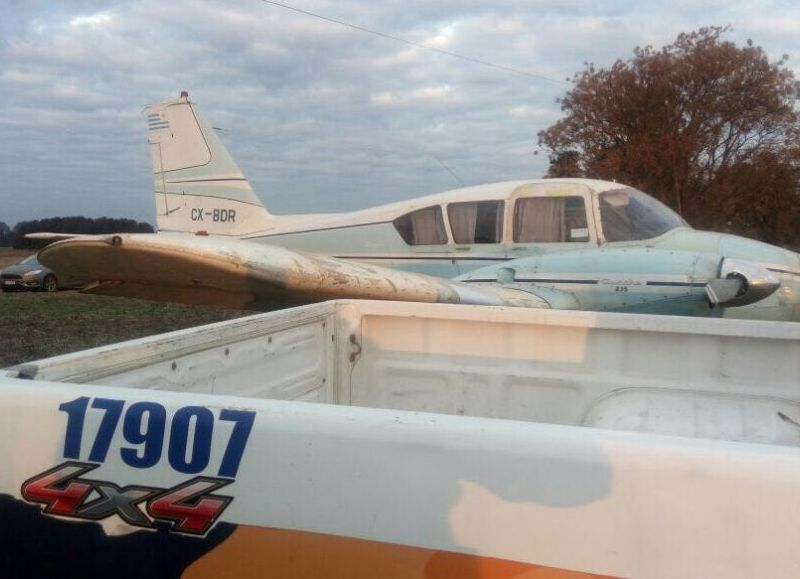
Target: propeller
(741,283)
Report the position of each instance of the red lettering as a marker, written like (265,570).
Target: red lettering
(56,489)
(190,505)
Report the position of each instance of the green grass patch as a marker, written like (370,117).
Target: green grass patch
(40,325)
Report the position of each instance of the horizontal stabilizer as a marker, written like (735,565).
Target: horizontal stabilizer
(47,236)
(234,273)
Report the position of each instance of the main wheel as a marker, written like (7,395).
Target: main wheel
(50,284)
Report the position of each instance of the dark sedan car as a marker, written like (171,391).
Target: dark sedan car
(31,275)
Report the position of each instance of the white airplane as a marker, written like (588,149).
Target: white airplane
(555,243)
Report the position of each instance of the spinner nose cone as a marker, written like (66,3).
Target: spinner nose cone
(781,263)
(742,283)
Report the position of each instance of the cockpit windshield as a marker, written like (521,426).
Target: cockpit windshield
(627,215)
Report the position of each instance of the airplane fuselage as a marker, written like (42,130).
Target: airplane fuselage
(664,273)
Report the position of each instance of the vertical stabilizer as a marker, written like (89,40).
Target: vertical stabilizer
(198,186)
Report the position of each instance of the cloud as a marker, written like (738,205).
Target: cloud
(317,114)
(93,21)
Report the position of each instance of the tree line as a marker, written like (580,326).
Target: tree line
(15,237)
(708,127)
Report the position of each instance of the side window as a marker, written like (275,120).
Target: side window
(550,220)
(476,222)
(422,227)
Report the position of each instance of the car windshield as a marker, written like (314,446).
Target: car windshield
(30,260)
(627,215)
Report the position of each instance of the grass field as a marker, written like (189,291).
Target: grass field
(36,325)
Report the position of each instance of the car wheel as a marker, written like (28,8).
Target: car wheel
(50,284)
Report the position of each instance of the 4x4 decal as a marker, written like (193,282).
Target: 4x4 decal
(188,507)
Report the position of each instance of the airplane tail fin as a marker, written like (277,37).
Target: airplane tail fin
(198,186)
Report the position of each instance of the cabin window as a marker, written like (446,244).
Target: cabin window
(476,222)
(422,227)
(550,220)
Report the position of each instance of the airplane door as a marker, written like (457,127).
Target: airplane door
(550,218)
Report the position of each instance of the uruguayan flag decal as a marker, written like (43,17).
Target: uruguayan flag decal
(156,122)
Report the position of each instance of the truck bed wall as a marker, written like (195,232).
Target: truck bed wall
(707,378)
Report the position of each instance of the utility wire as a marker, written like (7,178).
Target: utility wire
(416,44)
(449,170)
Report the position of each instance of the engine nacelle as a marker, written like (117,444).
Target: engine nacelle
(741,283)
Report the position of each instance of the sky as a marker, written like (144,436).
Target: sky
(319,116)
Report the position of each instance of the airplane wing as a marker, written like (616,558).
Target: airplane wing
(249,275)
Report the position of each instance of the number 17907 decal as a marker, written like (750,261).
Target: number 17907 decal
(188,507)
(144,427)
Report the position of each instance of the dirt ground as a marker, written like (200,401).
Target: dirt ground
(35,325)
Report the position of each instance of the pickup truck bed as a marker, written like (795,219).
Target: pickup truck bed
(402,440)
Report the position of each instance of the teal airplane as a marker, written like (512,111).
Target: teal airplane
(554,243)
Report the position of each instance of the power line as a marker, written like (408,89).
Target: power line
(416,44)
(449,170)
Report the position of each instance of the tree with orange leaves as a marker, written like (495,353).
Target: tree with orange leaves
(709,127)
